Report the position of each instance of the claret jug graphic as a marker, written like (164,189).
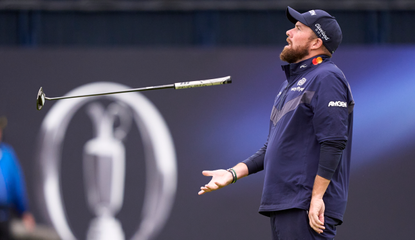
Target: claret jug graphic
(104,169)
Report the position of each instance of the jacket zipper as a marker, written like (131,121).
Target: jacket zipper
(284,96)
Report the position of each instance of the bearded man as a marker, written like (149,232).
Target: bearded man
(306,157)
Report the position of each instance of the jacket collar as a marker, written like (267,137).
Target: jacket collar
(293,69)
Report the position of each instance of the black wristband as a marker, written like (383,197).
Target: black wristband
(234,176)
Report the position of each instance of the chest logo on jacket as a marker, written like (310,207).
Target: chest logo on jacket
(301,81)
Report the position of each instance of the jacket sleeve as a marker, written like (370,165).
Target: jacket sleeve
(330,156)
(255,163)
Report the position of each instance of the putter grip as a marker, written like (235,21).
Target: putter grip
(203,83)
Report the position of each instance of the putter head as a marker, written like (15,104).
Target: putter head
(40,100)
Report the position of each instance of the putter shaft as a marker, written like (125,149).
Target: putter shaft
(116,92)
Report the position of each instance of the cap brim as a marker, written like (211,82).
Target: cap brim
(294,16)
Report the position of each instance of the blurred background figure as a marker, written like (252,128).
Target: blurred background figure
(13,196)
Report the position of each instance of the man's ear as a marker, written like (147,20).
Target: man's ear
(316,43)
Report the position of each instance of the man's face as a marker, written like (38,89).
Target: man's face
(299,40)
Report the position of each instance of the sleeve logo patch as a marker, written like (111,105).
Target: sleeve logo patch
(337,104)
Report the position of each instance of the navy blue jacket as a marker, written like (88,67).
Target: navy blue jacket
(315,105)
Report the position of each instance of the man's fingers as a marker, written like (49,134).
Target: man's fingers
(207,173)
(208,188)
(213,186)
(321,218)
(203,190)
(316,224)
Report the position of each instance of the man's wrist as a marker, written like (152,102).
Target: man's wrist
(317,196)
(233,173)
(320,187)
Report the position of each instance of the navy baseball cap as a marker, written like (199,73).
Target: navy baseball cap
(323,24)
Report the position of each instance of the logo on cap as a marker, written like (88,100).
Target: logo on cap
(321,32)
(312,12)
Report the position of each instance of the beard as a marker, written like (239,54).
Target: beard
(292,55)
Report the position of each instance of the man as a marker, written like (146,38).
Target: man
(12,188)
(307,154)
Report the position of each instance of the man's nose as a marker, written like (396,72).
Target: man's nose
(288,33)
